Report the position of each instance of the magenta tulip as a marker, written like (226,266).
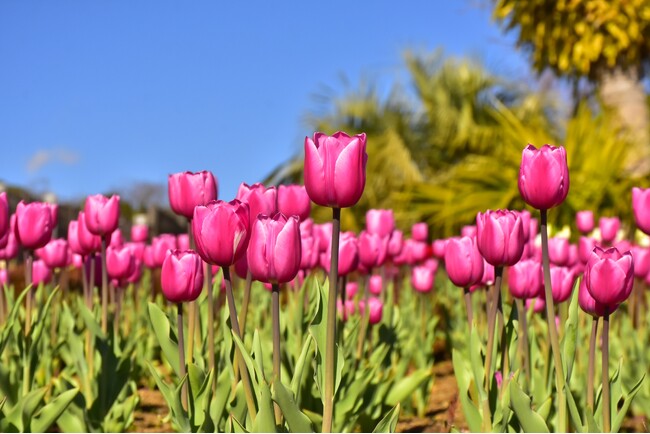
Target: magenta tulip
(351,289)
(120,262)
(4,277)
(587,303)
(543,176)
(641,256)
(187,190)
(183,241)
(422,278)
(4,217)
(323,232)
(182,276)
(438,247)
(395,243)
(56,253)
(335,169)
(348,254)
(380,222)
(308,251)
(33,224)
(160,245)
(525,279)
(375,284)
(372,249)
(558,250)
(609,227)
(500,237)
(609,276)
(641,208)
(420,232)
(274,250)
(11,246)
(41,273)
(526,224)
(89,242)
(117,240)
(375,309)
(585,247)
(585,221)
(294,200)
(538,304)
(562,279)
(260,199)
(221,231)
(102,214)
(139,233)
(463,262)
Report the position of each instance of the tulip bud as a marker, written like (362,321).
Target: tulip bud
(4,217)
(380,222)
(587,303)
(120,262)
(183,241)
(375,284)
(395,243)
(538,304)
(348,254)
(274,250)
(641,208)
(55,254)
(160,245)
(562,279)
(500,237)
(558,250)
(525,279)
(372,249)
(4,277)
(609,227)
(351,289)
(463,262)
(41,273)
(641,256)
(89,242)
(335,169)
(139,233)
(187,190)
(375,309)
(585,221)
(609,276)
(438,247)
(293,200)
(33,224)
(182,276)
(422,278)
(420,231)
(102,214)
(543,176)
(117,240)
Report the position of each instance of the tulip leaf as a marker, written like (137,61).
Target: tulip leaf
(11,318)
(463,377)
(166,338)
(250,365)
(37,331)
(236,426)
(299,369)
(51,412)
(573,409)
(620,416)
(404,387)
(297,420)
(265,420)
(173,398)
(389,422)
(521,405)
(218,404)
(570,339)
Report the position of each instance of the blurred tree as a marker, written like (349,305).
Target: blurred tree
(605,41)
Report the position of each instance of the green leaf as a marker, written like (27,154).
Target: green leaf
(51,412)
(620,416)
(389,422)
(570,339)
(173,398)
(167,341)
(250,364)
(11,318)
(265,420)
(297,420)
(463,377)
(573,410)
(236,426)
(300,367)
(89,320)
(404,387)
(37,331)
(521,405)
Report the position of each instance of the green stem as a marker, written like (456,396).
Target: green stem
(592,363)
(244,314)
(29,297)
(104,288)
(275,295)
(468,307)
(364,321)
(330,345)
(211,323)
(607,406)
(181,353)
(523,322)
(552,330)
(492,314)
(248,390)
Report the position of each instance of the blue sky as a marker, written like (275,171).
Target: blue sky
(97,95)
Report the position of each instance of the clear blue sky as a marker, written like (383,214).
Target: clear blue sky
(95,95)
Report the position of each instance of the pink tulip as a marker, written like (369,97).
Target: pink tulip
(54,212)
(41,273)
(372,249)
(375,284)
(160,245)
(117,240)
(558,250)
(573,255)
(33,224)
(438,247)
(56,253)
(89,242)
(221,231)
(395,243)
(609,276)
(543,176)
(346,310)
(323,232)
(641,256)
(562,279)
(73,238)
(4,277)
(432,264)
(120,262)
(351,289)
(77,260)
(538,304)
(420,232)
(11,246)
(187,190)
(375,309)
(335,169)
(585,247)
(500,237)
(609,227)
(468,231)
(422,278)
(274,250)
(139,233)
(4,218)
(348,254)
(585,221)
(525,279)
(587,303)
(641,208)
(380,222)
(307,227)
(183,241)
(260,199)
(182,276)
(137,249)
(309,251)
(293,200)
(102,214)
(526,224)
(463,262)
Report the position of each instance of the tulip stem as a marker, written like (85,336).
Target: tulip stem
(104,288)
(365,319)
(191,325)
(592,363)
(210,288)
(607,406)
(248,392)
(275,296)
(523,323)
(29,297)
(467,295)
(552,329)
(330,345)
(244,314)
(493,298)
(181,353)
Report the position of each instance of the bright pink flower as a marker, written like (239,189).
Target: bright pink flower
(89,242)
(543,176)
(335,169)
(346,311)
(641,256)
(41,273)
(182,276)
(372,249)
(160,245)
(102,214)
(526,223)
(375,309)
(438,247)
(585,247)
(117,240)
(538,304)
(558,250)
(323,232)
(422,278)
(351,289)
(120,262)
(4,218)
(139,233)
(585,221)
(463,262)
(395,243)
(187,190)
(348,254)
(587,302)
(274,250)
(260,199)
(183,241)
(294,200)
(609,276)
(56,253)
(221,231)
(562,280)
(609,227)
(4,277)
(11,246)
(500,237)
(573,255)
(525,279)
(77,260)
(33,224)
(420,232)
(380,222)
(641,208)
(375,284)
(309,251)
(54,211)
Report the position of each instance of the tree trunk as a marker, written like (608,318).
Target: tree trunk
(622,91)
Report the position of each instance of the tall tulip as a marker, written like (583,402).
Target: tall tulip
(160,245)
(188,189)
(33,224)
(260,199)
(562,279)
(274,250)
(395,243)
(89,242)
(120,262)
(525,279)
(500,237)
(293,200)
(41,273)
(558,250)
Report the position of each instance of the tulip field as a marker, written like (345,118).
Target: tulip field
(259,319)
